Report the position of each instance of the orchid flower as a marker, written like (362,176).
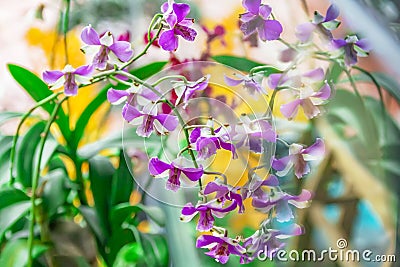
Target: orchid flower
(280,201)
(298,158)
(68,77)
(175,15)
(250,83)
(257,18)
(251,133)
(206,211)
(105,48)
(175,170)
(224,192)
(325,24)
(353,48)
(220,247)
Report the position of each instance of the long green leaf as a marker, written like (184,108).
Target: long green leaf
(239,63)
(101,173)
(15,253)
(149,70)
(38,90)
(122,182)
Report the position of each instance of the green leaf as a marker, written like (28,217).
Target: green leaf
(8,115)
(12,214)
(55,191)
(121,211)
(239,63)
(101,173)
(91,218)
(5,153)
(27,153)
(38,90)
(156,249)
(15,253)
(148,70)
(349,109)
(122,182)
(334,73)
(129,255)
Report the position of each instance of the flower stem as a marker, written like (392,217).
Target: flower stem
(35,179)
(183,78)
(16,136)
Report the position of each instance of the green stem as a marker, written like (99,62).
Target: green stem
(35,179)
(151,26)
(183,78)
(16,136)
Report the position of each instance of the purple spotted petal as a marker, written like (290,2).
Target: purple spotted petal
(129,112)
(168,41)
(265,11)
(113,96)
(270,30)
(304,31)
(84,70)
(157,166)
(252,5)
(230,147)
(70,86)
(122,50)
(249,27)
(169,122)
(194,174)
(206,147)
(206,221)
(332,13)
(90,36)
(290,109)
(220,189)
(232,82)
(187,33)
(51,76)
(181,11)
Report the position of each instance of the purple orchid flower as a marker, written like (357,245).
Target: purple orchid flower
(306,97)
(251,133)
(280,201)
(257,19)
(175,15)
(148,118)
(207,142)
(220,247)
(224,192)
(353,48)
(268,241)
(175,169)
(133,95)
(105,48)
(298,158)
(186,90)
(253,188)
(324,24)
(207,211)
(251,83)
(68,77)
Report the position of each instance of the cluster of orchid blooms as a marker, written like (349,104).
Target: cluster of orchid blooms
(155,112)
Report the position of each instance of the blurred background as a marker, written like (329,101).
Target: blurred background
(356,186)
